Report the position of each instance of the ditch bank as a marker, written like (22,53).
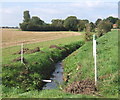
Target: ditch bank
(39,66)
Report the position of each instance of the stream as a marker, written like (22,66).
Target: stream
(57,77)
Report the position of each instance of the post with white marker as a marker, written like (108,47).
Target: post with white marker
(94,56)
(22,53)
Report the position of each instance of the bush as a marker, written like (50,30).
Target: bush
(88,35)
(103,27)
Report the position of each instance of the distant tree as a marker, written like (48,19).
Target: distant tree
(36,20)
(71,23)
(104,27)
(92,27)
(57,22)
(86,21)
(97,21)
(81,25)
(113,20)
(26,16)
(23,26)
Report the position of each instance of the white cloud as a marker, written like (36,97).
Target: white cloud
(13,15)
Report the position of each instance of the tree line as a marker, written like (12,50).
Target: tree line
(71,23)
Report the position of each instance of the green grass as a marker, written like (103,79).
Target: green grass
(7,53)
(54,93)
(107,64)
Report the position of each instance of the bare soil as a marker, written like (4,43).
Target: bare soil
(28,51)
(55,46)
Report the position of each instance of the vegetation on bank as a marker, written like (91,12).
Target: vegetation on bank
(80,64)
(8,52)
(38,66)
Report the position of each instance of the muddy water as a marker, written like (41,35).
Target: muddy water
(57,77)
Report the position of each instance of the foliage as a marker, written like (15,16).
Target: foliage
(26,16)
(23,26)
(103,27)
(97,21)
(57,22)
(36,21)
(112,19)
(92,27)
(88,35)
(81,25)
(71,23)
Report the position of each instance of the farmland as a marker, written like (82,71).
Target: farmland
(13,37)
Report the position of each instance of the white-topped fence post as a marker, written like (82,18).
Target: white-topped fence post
(22,53)
(94,55)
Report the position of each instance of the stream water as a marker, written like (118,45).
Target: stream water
(57,77)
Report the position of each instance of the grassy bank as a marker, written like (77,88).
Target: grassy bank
(80,66)
(7,53)
(39,66)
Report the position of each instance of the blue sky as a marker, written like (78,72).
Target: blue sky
(11,13)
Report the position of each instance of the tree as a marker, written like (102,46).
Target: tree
(36,20)
(113,20)
(26,16)
(81,25)
(57,22)
(97,21)
(104,27)
(86,21)
(23,26)
(71,23)
(92,27)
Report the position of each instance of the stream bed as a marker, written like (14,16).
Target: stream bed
(57,77)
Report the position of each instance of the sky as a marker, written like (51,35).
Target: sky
(11,13)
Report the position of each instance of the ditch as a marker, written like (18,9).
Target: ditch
(56,77)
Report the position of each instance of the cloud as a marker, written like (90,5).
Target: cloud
(12,13)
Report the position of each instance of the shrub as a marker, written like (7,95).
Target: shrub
(103,27)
